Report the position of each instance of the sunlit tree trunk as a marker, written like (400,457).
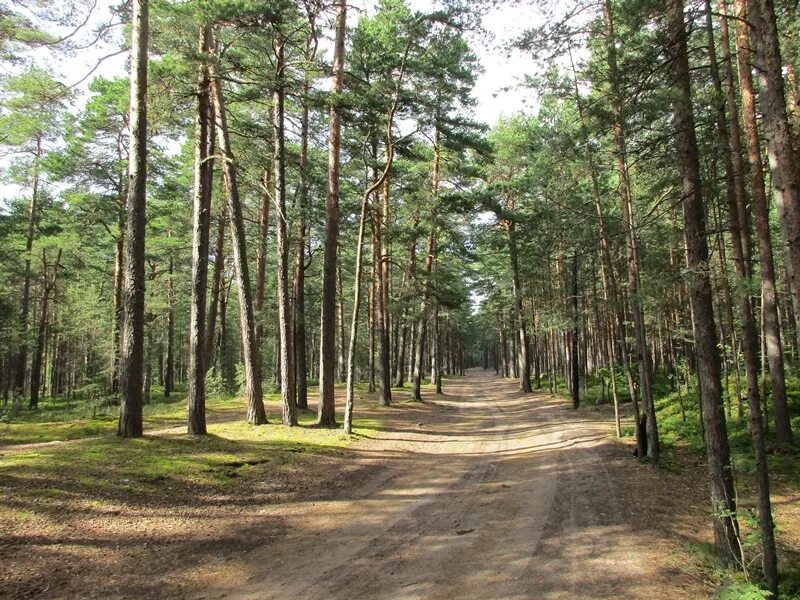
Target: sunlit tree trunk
(705,338)
(132,339)
(256,415)
(201,225)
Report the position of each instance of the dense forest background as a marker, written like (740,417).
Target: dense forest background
(283,196)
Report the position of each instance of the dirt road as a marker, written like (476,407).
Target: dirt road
(480,493)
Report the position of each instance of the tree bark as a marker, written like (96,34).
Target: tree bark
(519,317)
(718,451)
(288,394)
(784,169)
(326,411)
(256,415)
(573,358)
(48,285)
(133,289)
(382,304)
(33,209)
(301,364)
(416,391)
(169,375)
(216,285)
(642,354)
(201,225)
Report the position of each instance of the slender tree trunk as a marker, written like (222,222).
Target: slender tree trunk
(33,210)
(216,286)
(132,341)
(326,414)
(351,351)
(382,303)
(643,358)
(436,350)
(41,330)
(718,451)
(416,392)
(519,316)
(301,365)
(261,249)
(573,358)
(169,376)
(783,431)
(256,415)
(373,285)
(201,225)
(341,346)
(288,394)
(778,135)
(119,256)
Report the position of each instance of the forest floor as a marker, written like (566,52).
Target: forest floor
(478,493)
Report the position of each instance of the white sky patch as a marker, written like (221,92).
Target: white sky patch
(499,89)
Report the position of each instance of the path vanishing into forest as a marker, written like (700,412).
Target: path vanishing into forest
(490,494)
(482,492)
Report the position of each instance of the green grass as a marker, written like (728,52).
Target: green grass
(230,450)
(60,420)
(683,429)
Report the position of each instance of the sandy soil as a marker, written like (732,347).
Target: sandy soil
(480,493)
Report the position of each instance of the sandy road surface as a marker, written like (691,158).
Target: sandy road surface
(493,495)
(478,493)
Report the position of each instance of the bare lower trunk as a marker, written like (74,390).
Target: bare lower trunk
(132,339)
(784,169)
(519,317)
(642,352)
(419,345)
(718,451)
(326,414)
(169,375)
(216,290)
(284,304)
(201,225)
(33,209)
(48,285)
(251,354)
(351,350)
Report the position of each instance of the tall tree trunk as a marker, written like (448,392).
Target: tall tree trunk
(256,415)
(326,412)
(416,392)
(519,316)
(41,336)
(284,303)
(783,164)
(216,285)
(382,303)
(373,285)
(132,342)
(573,351)
(201,225)
(408,333)
(261,249)
(33,209)
(119,257)
(340,348)
(436,350)
(642,354)
(301,364)
(351,349)
(169,376)
(705,337)
(778,135)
